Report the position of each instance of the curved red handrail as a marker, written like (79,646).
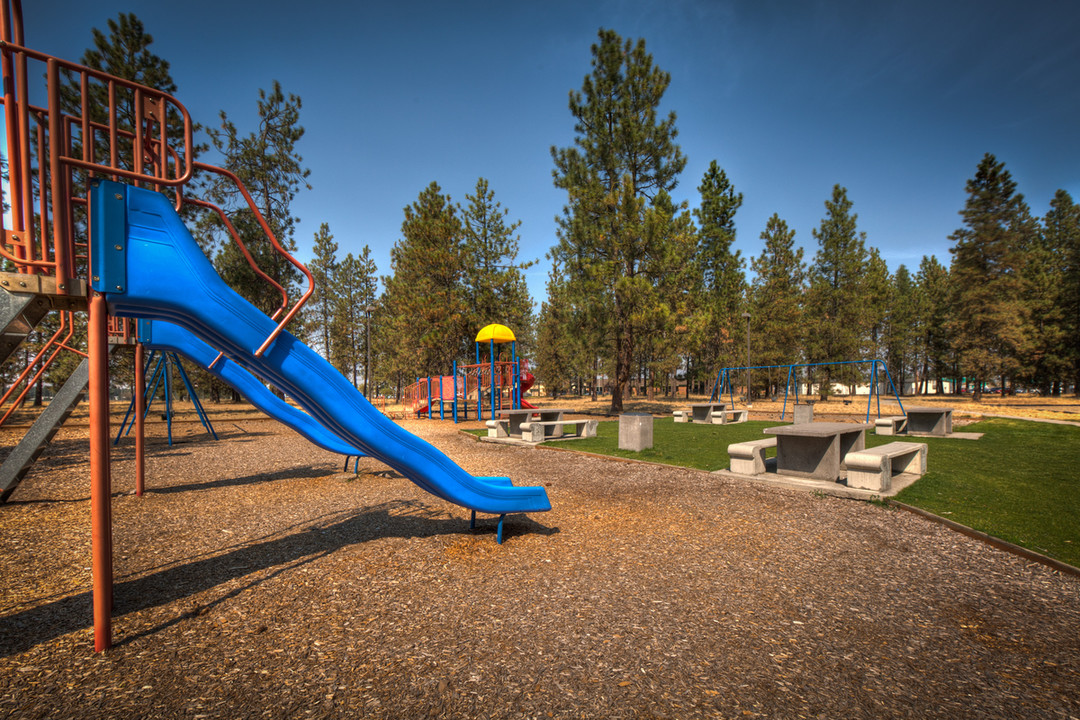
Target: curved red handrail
(277,247)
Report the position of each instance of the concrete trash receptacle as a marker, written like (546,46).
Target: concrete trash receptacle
(635,431)
(804,414)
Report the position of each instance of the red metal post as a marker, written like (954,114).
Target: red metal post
(140,412)
(100,480)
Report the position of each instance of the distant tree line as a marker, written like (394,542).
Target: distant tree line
(642,290)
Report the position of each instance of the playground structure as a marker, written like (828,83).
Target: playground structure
(94,228)
(491,386)
(723,380)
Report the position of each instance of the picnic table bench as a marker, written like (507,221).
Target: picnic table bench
(874,468)
(700,413)
(539,431)
(519,423)
(748,458)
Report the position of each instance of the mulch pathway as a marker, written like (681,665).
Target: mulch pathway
(257,580)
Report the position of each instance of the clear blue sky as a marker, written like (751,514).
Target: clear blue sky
(897,101)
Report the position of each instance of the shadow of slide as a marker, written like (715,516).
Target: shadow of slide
(22,630)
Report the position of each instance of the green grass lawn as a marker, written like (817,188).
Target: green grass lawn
(1020,482)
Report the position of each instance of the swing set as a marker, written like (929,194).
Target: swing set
(723,380)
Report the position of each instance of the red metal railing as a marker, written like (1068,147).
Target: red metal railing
(51,153)
(52,347)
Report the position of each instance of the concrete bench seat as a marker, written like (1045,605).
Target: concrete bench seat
(498,428)
(873,468)
(730,417)
(748,458)
(536,431)
(681,415)
(890,425)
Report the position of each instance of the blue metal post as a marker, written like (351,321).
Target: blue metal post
(895,394)
(203,417)
(168,395)
(787,384)
(491,359)
(131,406)
(454,406)
(870,396)
(429,397)
(515,379)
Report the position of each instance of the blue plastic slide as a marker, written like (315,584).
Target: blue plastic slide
(162,335)
(149,266)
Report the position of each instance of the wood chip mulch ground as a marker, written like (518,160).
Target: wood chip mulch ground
(258,580)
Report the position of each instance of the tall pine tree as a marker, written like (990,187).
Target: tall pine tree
(836,316)
(623,158)
(355,292)
(989,319)
(268,164)
(494,281)
(1061,240)
(719,305)
(425,297)
(322,305)
(777,294)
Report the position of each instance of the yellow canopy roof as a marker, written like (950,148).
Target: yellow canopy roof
(496,332)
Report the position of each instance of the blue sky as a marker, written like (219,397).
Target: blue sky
(896,101)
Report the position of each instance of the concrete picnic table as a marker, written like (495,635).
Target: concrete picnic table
(816,450)
(929,420)
(702,412)
(516,417)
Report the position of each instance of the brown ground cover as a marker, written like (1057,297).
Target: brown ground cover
(258,580)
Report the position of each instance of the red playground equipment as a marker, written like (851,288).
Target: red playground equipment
(485,387)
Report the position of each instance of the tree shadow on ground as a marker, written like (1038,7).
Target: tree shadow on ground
(293,473)
(283,552)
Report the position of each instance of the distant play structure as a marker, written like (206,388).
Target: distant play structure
(476,391)
(723,381)
(95,197)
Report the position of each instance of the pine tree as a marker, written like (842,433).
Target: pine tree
(355,292)
(877,303)
(123,52)
(322,305)
(425,300)
(776,296)
(901,328)
(564,346)
(622,160)
(990,322)
(495,285)
(719,305)
(835,311)
(267,163)
(1061,239)
(933,320)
